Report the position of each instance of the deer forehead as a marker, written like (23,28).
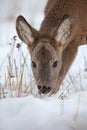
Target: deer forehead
(44,51)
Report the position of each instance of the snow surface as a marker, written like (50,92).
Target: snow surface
(51,113)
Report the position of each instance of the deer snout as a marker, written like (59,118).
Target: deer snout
(44,89)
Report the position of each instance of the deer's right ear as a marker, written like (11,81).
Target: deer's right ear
(25,32)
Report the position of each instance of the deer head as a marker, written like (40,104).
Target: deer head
(46,51)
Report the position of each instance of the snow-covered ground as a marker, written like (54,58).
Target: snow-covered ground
(66,110)
(52,113)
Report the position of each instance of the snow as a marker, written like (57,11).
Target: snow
(31,10)
(51,113)
(65,110)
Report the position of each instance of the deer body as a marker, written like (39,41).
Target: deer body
(57,9)
(54,47)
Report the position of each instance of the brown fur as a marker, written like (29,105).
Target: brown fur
(56,9)
(63,29)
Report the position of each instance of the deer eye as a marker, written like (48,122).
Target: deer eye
(55,64)
(34,64)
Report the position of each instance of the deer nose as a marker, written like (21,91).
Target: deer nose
(44,89)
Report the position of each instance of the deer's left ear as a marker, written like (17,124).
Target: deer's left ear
(64,32)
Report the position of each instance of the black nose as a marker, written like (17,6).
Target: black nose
(44,89)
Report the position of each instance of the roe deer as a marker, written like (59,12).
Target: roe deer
(54,47)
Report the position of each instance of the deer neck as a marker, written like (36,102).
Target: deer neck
(53,17)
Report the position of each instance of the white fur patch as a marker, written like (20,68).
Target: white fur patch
(64,31)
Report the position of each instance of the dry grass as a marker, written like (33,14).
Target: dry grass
(74,82)
(17,79)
